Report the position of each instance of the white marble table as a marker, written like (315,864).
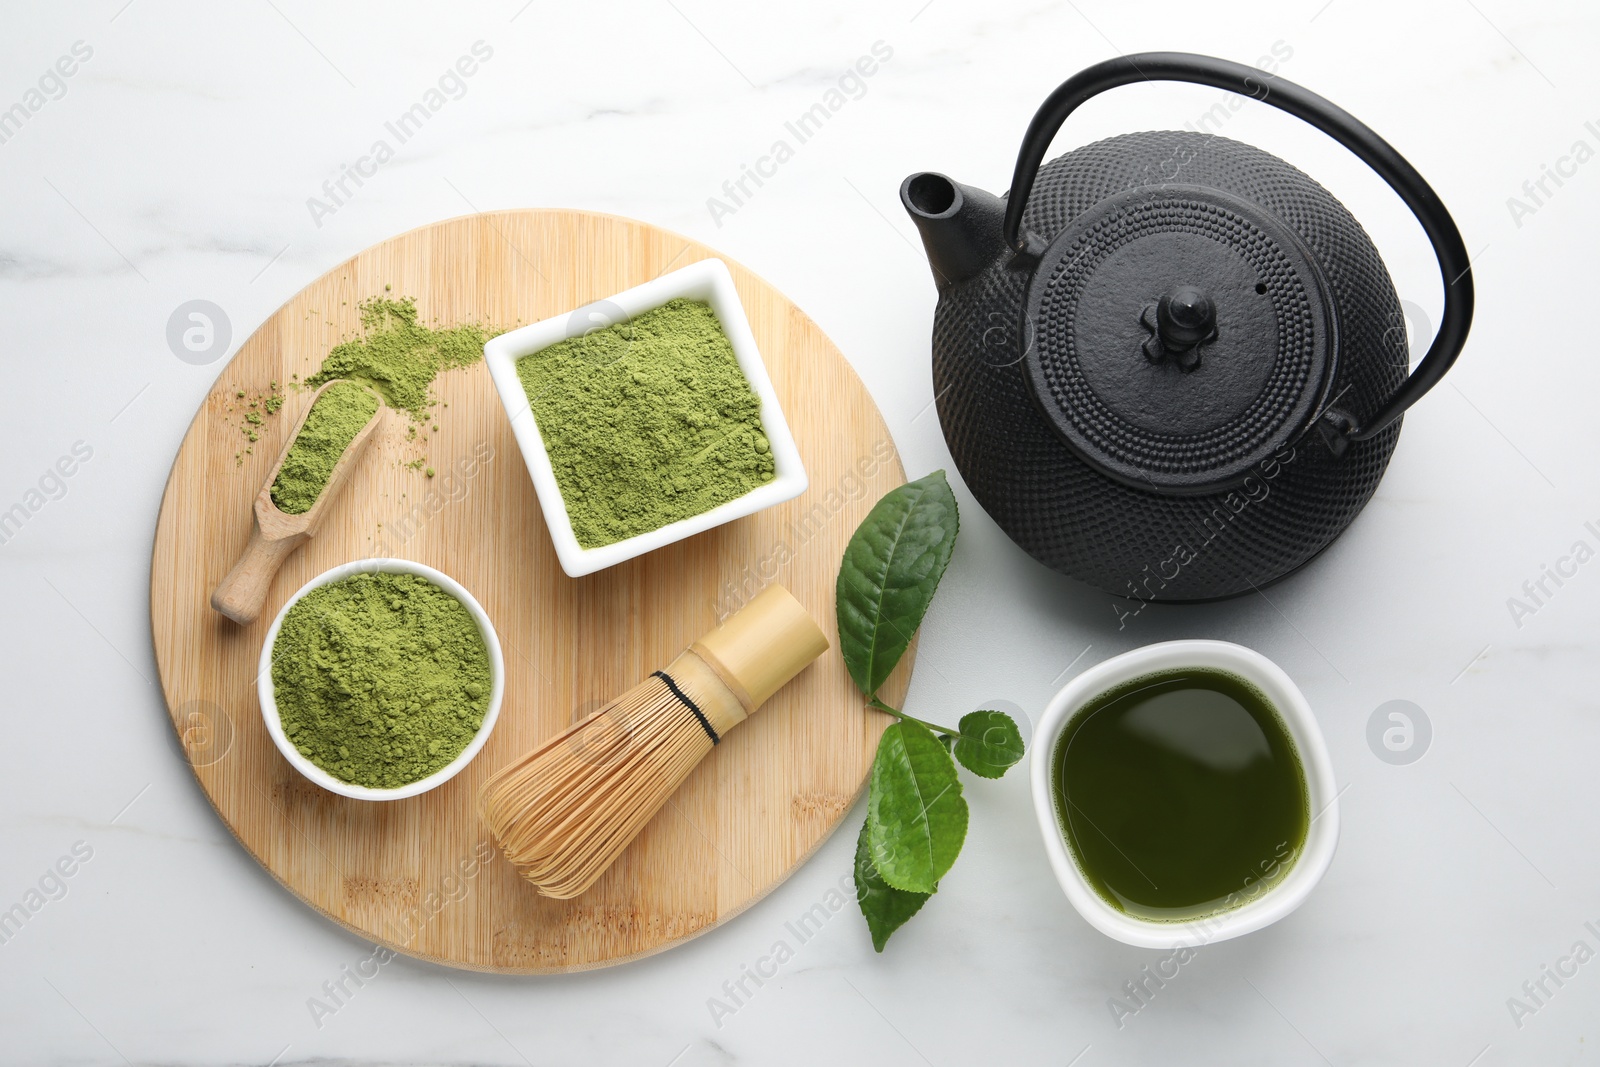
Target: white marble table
(176,162)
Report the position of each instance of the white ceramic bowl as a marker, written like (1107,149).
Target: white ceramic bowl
(497,685)
(707,281)
(1255,911)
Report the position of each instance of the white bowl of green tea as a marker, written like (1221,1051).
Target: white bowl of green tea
(1184,793)
(381,679)
(646,417)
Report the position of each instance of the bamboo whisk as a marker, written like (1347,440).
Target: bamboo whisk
(565,811)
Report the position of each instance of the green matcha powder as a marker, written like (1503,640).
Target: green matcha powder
(335,419)
(399,357)
(647,422)
(380,679)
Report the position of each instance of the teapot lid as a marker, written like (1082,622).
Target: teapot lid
(1179,336)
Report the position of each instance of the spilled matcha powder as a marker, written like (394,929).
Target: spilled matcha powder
(647,422)
(251,423)
(335,419)
(380,679)
(400,357)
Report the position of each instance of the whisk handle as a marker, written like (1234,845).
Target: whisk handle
(766,643)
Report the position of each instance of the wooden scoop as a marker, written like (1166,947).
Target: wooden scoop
(275,535)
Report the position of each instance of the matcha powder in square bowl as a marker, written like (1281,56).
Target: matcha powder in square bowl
(647,422)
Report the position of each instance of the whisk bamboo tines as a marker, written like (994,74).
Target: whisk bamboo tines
(565,811)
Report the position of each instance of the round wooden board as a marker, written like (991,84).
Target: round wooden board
(419,875)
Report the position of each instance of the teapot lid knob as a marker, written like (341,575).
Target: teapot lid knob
(1186,317)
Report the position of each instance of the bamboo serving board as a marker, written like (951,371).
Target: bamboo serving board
(420,875)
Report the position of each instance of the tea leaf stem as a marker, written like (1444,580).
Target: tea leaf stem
(878,705)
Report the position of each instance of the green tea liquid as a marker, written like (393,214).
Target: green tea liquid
(1180,794)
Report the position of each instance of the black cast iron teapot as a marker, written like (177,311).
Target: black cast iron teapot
(1169,364)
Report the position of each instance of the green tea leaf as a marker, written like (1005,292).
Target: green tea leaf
(885,907)
(889,573)
(989,743)
(916,815)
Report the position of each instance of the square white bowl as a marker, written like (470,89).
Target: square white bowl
(707,281)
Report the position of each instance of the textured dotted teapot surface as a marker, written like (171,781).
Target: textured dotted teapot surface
(1136,542)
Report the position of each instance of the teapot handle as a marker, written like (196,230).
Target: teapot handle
(1402,177)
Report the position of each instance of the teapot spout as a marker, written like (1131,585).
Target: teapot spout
(961,226)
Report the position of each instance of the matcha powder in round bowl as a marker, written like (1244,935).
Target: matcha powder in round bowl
(380,679)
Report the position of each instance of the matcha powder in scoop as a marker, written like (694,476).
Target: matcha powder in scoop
(339,414)
(380,679)
(647,422)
